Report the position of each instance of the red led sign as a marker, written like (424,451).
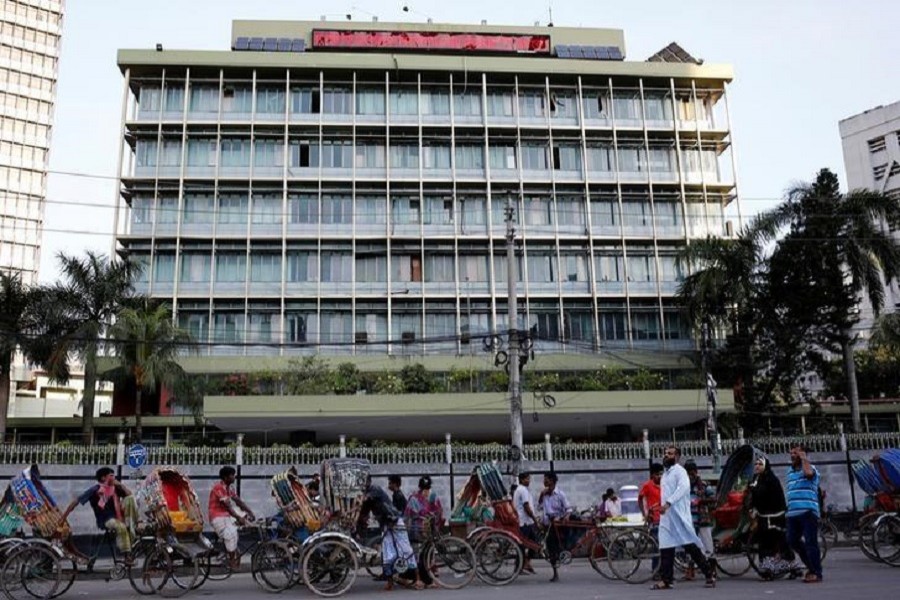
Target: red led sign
(427,40)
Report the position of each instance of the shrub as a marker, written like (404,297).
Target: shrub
(346,379)
(417,379)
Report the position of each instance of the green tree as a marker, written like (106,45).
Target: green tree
(417,379)
(93,289)
(835,251)
(26,325)
(347,379)
(309,375)
(147,345)
(886,333)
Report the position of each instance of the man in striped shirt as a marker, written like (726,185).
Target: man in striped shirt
(803,512)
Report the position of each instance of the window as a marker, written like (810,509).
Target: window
(373,325)
(473,211)
(198,210)
(164,268)
(232,210)
(610,267)
(636,213)
(168,210)
(406,211)
(201,152)
(879,171)
(304,154)
(670,268)
(265,267)
(567,158)
(438,211)
(645,325)
(305,100)
(641,268)
(612,324)
(500,103)
(337,267)
(570,210)
(538,211)
(541,268)
(266,210)
(174,97)
(337,154)
(668,214)
(600,158)
(563,105)
(436,157)
(302,266)
(627,105)
(473,268)
(579,325)
(502,157)
(470,157)
(662,160)
(406,268)
(658,106)
(404,101)
(204,98)
(573,267)
(229,327)
(370,156)
(303,209)
(405,156)
(370,101)
(195,323)
(296,325)
(269,153)
(337,326)
(439,268)
(261,326)
(337,101)
(337,210)
(270,100)
(371,269)
(231,267)
(632,159)
(436,102)
(467,104)
(532,104)
(195,267)
(370,210)
(546,321)
(235,152)
(142,211)
(237,98)
(150,98)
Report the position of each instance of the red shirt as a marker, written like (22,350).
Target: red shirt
(652,495)
(217,494)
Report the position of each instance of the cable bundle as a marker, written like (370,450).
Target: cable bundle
(292,498)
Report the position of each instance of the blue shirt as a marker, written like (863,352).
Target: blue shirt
(802,492)
(555,505)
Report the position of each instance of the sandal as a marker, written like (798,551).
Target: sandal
(710,582)
(661,585)
(812,578)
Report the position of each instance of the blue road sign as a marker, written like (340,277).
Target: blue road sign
(137,456)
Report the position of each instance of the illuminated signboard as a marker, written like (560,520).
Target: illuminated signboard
(427,40)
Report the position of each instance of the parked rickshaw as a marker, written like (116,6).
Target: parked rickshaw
(879,527)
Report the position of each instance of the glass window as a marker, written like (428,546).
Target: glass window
(337,210)
(645,325)
(269,152)
(142,211)
(563,104)
(195,267)
(371,210)
(636,213)
(164,268)
(474,268)
(168,210)
(406,268)
(370,156)
(201,152)
(302,266)
(436,102)
(436,157)
(337,101)
(573,267)
(570,210)
(198,210)
(232,209)
(668,214)
(229,327)
(612,324)
(305,100)
(632,159)
(237,98)
(337,154)
(270,99)
(500,103)
(662,160)
(538,211)
(303,209)
(235,152)
(502,157)
(263,326)
(404,101)
(567,158)
(374,325)
(406,211)
(439,268)
(541,268)
(658,106)
(371,269)
(532,104)
(204,98)
(546,321)
(195,323)
(610,267)
(469,157)
(670,268)
(370,101)
(641,267)
(473,211)
(150,97)
(265,267)
(304,153)
(174,97)
(298,325)
(467,103)
(337,267)
(266,209)
(405,156)
(534,157)
(231,267)
(627,104)
(438,210)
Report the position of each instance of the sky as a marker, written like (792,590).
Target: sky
(800,67)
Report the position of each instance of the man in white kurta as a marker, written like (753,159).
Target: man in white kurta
(676,528)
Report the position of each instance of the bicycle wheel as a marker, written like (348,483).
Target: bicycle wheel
(451,562)
(823,545)
(498,558)
(634,556)
(828,532)
(68,573)
(886,540)
(597,558)
(136,570)
(866,529)
(31,571)
(329,567)
(170,570)
(733,564)
(273,566)
(215,566)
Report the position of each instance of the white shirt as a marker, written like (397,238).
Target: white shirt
(613,507)
(676,527)
(521,497)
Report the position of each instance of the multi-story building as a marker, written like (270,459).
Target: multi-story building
(30,33)
(871,143)
(340,188)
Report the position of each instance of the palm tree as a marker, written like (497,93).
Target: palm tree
(26,325)
(147,344)
(887,331)
(842,240)
(93,290)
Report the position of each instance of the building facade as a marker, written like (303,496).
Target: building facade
(30,34)
(329,193)
(871,144)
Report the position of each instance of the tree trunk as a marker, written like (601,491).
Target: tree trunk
(850,375)
(87,402)
(138,427)
(4,399)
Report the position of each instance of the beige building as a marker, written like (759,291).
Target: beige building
(30,34)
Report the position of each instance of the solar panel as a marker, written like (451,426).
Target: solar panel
(562,51)
(284,44)
(591,52)
(270,44)
(298,45)
(577,51)
(603,52)
(242,43)
(256,44)
(615,53)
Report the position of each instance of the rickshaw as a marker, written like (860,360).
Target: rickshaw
(879,530)
(47,565)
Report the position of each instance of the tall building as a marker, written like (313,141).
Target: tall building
(340,188)
(871,143)
(30,33)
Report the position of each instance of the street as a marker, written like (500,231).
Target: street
(848,574)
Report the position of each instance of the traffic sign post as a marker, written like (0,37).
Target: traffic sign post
(137,456)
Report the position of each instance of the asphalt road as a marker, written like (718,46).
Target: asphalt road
(848,575)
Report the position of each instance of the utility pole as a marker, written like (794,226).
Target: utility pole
(515,390)
(711,424)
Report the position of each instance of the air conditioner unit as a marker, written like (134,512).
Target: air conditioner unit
(361,337)
(408,337)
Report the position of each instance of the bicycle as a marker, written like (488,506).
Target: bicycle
(272,563)
(441,555)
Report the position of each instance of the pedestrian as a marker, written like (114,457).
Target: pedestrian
(649,496)
(767,505)
(395,484)
(524,505)
(701,499)
(803,513)
(676,528)
(425,517)
(556,508)
(612,506)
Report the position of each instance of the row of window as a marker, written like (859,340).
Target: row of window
(21,34)
(26,83)
(373,266)
(531,103)
(333,325)
(235,152)
(342,209)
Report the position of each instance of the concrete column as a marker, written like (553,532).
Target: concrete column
(548,448)
(343,449)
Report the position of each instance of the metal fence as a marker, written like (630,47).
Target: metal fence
(425,454)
